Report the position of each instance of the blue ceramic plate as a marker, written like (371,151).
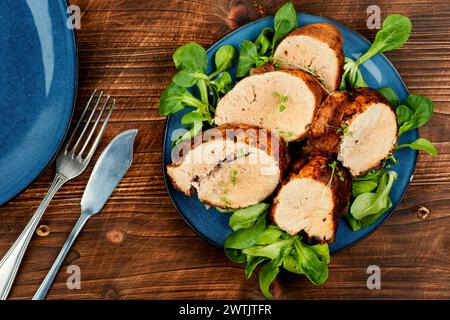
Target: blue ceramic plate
(378,72)
(38,77)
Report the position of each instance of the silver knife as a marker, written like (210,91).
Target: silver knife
(108,171)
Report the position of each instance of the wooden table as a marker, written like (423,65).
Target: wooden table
(139,248)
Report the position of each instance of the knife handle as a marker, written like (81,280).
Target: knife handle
(10,263)
(47,283)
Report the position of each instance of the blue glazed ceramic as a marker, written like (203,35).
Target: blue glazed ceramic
(378,72)
(38,77)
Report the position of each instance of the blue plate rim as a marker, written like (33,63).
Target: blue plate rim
(75,94)
(166,128)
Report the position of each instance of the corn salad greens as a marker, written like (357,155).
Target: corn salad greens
(254,241)
(191,61)
(257,243)
(261,51)
(371,193)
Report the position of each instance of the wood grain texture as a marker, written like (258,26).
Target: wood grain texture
(139,248)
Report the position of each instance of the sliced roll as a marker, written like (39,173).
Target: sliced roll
(358,126)
(230,166)
(283,101)
(312,200)
(317,48)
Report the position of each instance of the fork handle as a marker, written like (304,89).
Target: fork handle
(47,283)
(10,263)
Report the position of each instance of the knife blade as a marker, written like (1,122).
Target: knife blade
(109,169)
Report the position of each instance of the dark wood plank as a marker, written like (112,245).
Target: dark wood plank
(138,247)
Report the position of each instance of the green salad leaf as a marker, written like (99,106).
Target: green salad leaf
(421,108)
(246,218)
(175,98)
(312,261)
(369,203)
(245,238)
(421,144)
(394,33)
(187,79)
(284,22)
(261,51)
(270,251)
(404,114)
(264,41)
(224,59)
(272,248)
(222,82)
(249,58)
(191,57)
(252,263)
(390,95)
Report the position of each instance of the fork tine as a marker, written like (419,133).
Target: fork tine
(80,120)
(88,122)
(91,133)
(100,133)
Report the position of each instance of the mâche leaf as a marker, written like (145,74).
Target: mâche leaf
(247,58)
(270,235)
(270,251)
(404,114)
(175,98)
(269,272)
(191,57)
(222,82)
(245,238)
(359,187)
(264,41)
(284,22)
(252,263)
(422,110)
(224,59)
(245,218)
(420,144)
(311,261)
(390,95)
(187,79)
(394,33)
(191,117)
(369,203)
(235,255)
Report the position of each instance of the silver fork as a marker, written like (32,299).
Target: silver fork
(70,163)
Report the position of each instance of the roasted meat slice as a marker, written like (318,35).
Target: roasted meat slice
(358,126)
(229,166)
(311,200)
(315,47)
(283,101)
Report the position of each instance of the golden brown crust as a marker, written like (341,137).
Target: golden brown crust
(318,168)
(340,107)
(329,34)
(269,67)
(316,88)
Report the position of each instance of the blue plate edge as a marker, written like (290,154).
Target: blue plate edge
(75,93)
(380,222)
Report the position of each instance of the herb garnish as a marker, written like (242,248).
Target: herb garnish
(234,173)
(281,99)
